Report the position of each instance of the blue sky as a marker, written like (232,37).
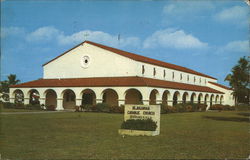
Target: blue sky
(207,36)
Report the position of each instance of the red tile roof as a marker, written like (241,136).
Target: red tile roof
(220,85)
(139,58)
(112,82)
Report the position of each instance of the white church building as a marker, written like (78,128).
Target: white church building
(92,73)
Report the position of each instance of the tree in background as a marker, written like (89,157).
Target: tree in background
(4,88)
(239,81)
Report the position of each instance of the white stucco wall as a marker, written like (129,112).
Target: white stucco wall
(103,63)
(149,73)
(228,97)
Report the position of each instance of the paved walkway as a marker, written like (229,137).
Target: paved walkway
(35,112)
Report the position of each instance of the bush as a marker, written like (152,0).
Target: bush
(50,107)
(102,107)
(223,107)
(116,109)
(189,108)
(139,124)
(180,107)
(216,107)
(8,105)
(33,106)
(19,106)
(87,107)
(242,107)
(167,109)
(202,107)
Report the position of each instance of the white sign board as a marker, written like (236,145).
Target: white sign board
(143,112)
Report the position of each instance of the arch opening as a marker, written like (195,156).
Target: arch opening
(19,96)
(88,97)
(193,96)
(34,97)
(153,97)
(50,98)
(69,99)
(200,98)
(165,96)
(176,98)
(206,98)
(184,97)
(211,100)
(110,97)
(133,96)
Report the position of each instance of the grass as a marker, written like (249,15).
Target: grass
(95,136)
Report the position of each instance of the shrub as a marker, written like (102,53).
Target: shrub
(167,109)
(202,107)
(189,108)
(37,107)
(216,107)
(242,107)
(19,106)
(8,105)
(88,107)
(180,108)
(33,106)
(50,107)
(29,106)
(77,108)
(139,124)
(116,109)
(102,107)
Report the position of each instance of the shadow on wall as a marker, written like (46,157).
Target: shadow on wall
(234,119)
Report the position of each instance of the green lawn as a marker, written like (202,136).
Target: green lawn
(95,135)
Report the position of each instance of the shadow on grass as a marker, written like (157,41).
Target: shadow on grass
(244,114)
(234,119)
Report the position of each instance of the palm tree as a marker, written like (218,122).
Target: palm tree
(238,80)
(4,88)
(12,79)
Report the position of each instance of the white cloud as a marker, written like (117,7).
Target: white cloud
(235,46)
(187,7)
(100,37)
(11,31)
(171,38)
(49,33)
(236,15)
(43,34)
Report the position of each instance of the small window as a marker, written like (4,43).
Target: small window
(154,72)
(205,81)
(164,73)
(143,69)
(173,75)
(200,80)
(187,77)
(194,79)
(181,76)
